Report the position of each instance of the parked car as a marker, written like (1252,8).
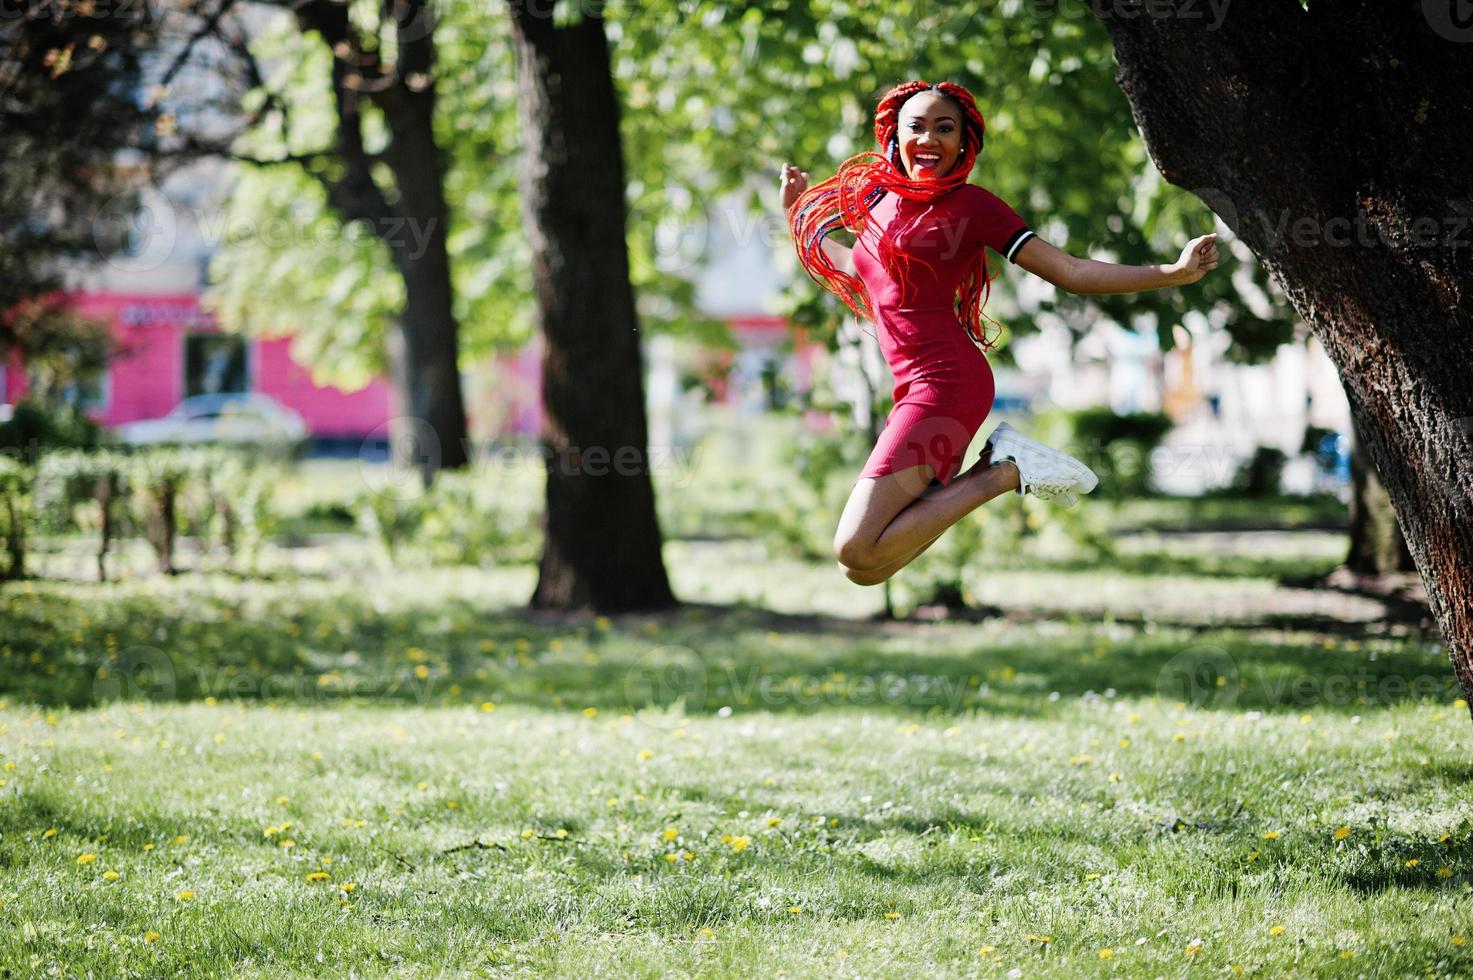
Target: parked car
(240,418)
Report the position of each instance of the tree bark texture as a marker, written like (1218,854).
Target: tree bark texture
(602,546)
(1333,142)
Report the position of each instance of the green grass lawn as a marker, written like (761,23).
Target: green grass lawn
(1173,766)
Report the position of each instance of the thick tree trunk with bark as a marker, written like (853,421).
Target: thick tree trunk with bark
(1377,545)
(602,548)
(1333,141)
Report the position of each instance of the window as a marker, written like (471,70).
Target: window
(214,364)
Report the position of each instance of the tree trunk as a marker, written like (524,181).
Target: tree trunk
(413,226)
(1332,140)
(431,335)
(1377,545)
(602,538)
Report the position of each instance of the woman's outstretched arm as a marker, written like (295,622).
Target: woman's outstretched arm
(794,182)
(1076,275)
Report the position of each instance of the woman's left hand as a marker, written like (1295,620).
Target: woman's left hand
(1197,259)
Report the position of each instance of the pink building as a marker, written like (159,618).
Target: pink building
(170,349)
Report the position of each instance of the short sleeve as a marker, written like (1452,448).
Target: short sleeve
(994,224)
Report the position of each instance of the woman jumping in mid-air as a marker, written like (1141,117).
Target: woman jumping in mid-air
(919,271)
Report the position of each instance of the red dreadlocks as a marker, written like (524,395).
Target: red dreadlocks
(845,199)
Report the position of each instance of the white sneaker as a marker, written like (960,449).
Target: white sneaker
(1045,472)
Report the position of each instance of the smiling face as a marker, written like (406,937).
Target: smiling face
(930,135)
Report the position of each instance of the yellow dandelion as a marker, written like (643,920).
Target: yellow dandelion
(528,834)
(150,937)
(739,844)
(318,876)
(1125,743)
(86,858)
(590,712)
(560,833)
(421,672)
(1193,949)
(1444,838)
(185,895)
(1040,939)
(645,754)
(288,842)
(347,886)
(687,855)
(774,821)
(1413,862)
(1276,930)
(283,800)
(671,833)
(110,875)
(271,831)
(672,857)
(1458,941)
(452,804)
(1091,876)
(148,847)
(1342,832)
(1347,954)
(1253,855)
(48,833)
(892,915)
(706,931)
(488,705)
(181,838)
(1106,953)
(1271,835)
(795,909)
(987,950)
(1444,872)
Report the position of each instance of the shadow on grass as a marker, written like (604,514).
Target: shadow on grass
(302,643)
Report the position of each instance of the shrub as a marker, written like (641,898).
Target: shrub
(1118,447)
(16,514)
(459,520)
(35,427)
(1262,475)
(71,479)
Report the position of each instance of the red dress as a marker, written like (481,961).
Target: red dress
(943,384)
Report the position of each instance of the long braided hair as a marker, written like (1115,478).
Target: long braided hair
(845,200)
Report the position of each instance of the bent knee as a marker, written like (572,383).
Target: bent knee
(864,576)
(855,554)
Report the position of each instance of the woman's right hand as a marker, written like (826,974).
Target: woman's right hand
(794,182)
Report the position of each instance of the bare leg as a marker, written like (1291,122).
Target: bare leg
(875,576)
(884,526)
